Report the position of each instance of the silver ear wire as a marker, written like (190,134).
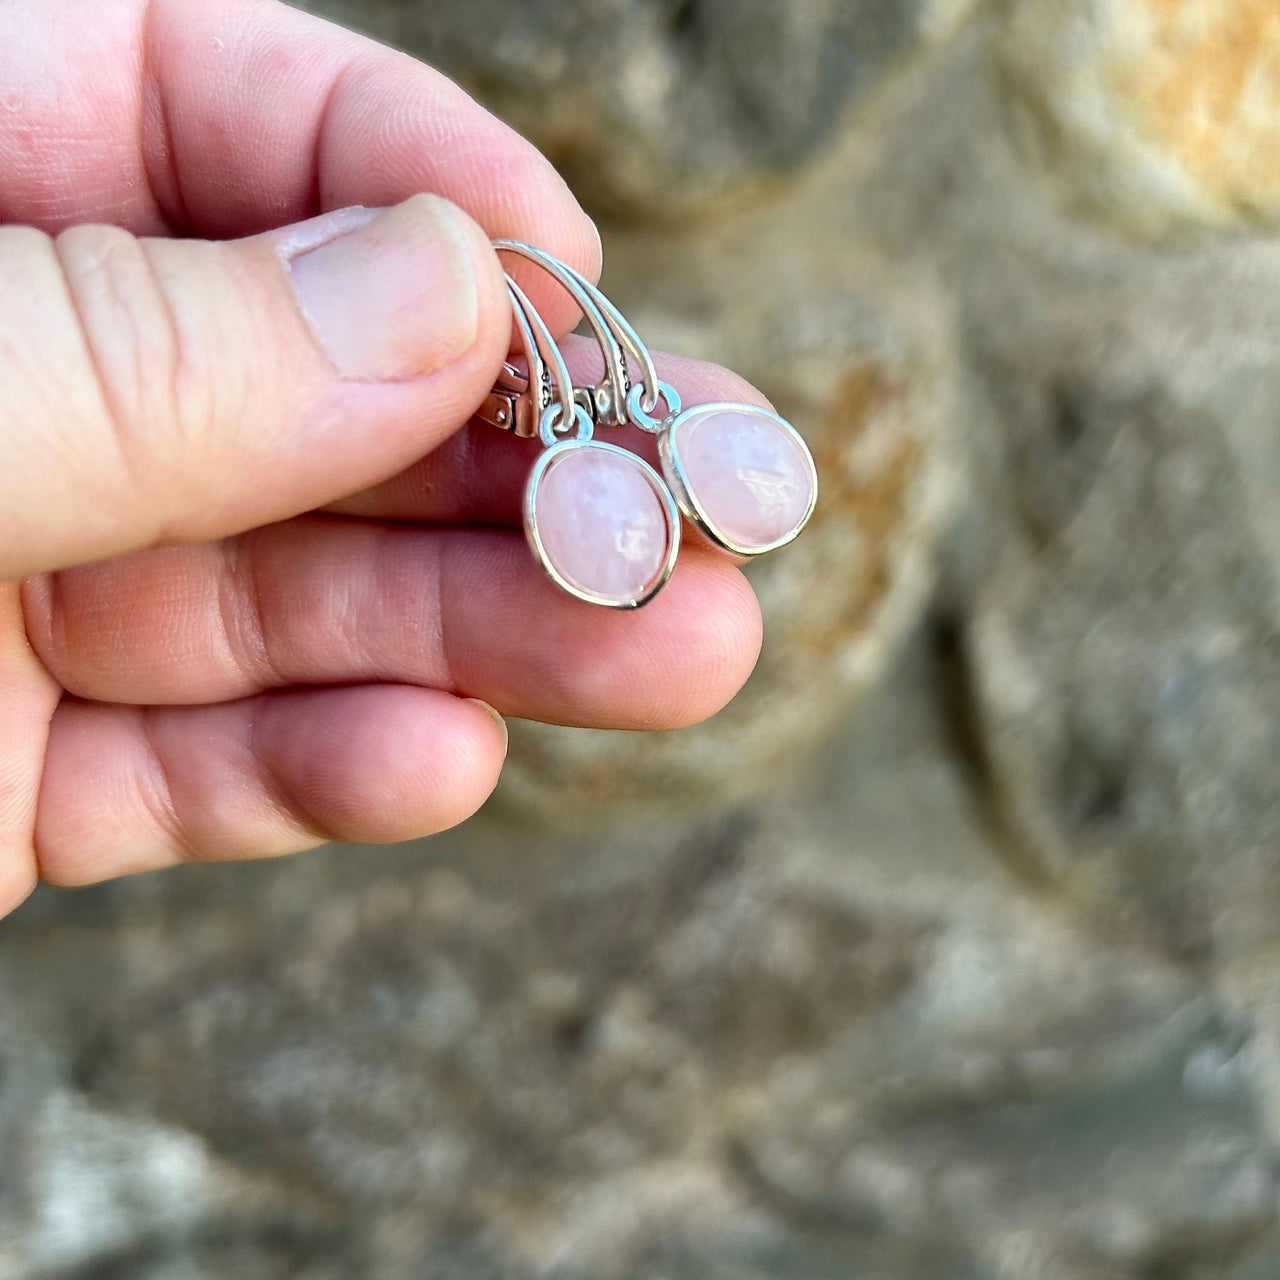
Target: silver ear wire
(626,336)
(599,520)
(549,377)
(607,403)
(609,398)
(742,475)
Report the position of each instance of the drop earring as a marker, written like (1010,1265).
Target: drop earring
(742,475)
(600,520)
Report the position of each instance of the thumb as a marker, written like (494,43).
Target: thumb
(175,390)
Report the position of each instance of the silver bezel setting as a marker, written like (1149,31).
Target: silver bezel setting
(655,482)
(678,480)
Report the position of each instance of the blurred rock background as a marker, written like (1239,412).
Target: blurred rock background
(951,951)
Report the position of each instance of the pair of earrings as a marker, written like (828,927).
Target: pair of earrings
(601,521)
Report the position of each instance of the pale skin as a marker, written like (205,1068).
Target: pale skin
(261,584)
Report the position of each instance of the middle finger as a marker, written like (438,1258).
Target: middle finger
(327,600)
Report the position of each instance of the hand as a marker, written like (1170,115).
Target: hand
(194,662)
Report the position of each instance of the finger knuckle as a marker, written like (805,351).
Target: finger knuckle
(130,342)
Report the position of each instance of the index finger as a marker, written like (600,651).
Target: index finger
(274,115)
(223,118)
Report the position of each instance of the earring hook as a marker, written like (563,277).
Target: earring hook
(611,329)
(547,369)
(609,399)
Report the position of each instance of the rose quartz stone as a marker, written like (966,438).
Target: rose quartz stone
(601,523)
(749,475)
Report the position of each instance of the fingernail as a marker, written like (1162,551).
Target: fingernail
(394,298)
(497,719)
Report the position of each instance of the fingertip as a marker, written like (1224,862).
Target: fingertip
(551,219)
(721,633)
(493,303)
(542,202)
(18,878)
(385,763)
(397,294)
(701,382)
(672,664)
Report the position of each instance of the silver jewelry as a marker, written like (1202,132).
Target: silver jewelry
(600,520)
(742,475)
(765,501)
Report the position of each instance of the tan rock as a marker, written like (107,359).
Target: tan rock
(1158,113)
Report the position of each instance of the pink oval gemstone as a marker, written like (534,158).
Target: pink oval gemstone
(750,476)
(601,524)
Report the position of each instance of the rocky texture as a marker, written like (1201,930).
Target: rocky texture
(827,1034)
(950,950)
(1120,613)
(1161,112)
(661,105)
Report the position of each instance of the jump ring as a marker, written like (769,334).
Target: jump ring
(646,421)
(553,419)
